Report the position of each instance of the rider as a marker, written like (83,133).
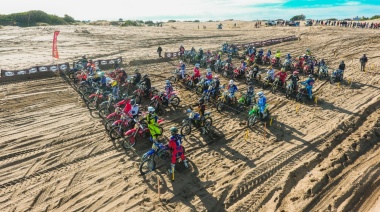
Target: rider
(232,88)
(182,68)
(175,143)
(309,85)
(181,50)
(200,53)
(282,74)
(90,67)
(197,73)
(208,53)
(269,53)
(84,61)
(208,74)
(135,109)
(288,57)
(322,63)
(270,73)
(146,82)
(243,66)
(278,56)
(261,52)
(137,77)
(261,103)
(250,92)
(152,120)
(342,66)
(168,90)
(255,70)
(216,85)
(308,52)
(294,77)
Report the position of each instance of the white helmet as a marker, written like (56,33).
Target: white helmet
(180,61)
(208,70)
(197,65)
(260,94)
(151,109)
(167,81)
(231,82)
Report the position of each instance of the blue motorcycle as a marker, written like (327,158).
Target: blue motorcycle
(160,150)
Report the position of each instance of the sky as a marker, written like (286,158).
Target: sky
(203,10)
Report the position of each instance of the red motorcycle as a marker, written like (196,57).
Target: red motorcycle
(141,130)
(140,92)
(266,60)
(239,72)
(111,118)
(275,62)
(120,126)
(95,99)
(161,99)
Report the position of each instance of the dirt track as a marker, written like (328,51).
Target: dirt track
(56,156)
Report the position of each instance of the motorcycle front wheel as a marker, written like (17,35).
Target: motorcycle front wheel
(147,165)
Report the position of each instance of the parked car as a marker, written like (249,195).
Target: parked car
(291,23)
(271,23)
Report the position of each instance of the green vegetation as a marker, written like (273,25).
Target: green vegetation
(172,21)
(298,18)
(131,23)
(34,18)
(375,17)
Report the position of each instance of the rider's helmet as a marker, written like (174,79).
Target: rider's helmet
(180,62)
(216,77)
(260,94)
(167,82)
(342,62)
(269,50)
(278,51)
(200,49)
(90,60)
(133,102)
(220,53)
(250,83)
(300,57)
(261,50)
(242,61)
(270,67)
(151,110)
(254,64)
(288,55)
(209,51)
(231,82)
(173,130)
(84,56)
(197,65)
(283,70)
(125,97)
(145,76)
(307,50)
(295,73)
(136,70)
(114,83)
(208,71)
(310,76)
(201,101)
(254,47)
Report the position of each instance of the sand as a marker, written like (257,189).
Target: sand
(56,156)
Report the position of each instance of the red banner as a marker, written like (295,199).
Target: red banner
(55,49)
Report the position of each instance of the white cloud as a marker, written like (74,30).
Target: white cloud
(181,10)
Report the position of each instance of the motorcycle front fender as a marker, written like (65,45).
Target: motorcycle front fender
(130,132)
(186,121)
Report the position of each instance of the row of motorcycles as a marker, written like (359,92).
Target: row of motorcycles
(129,128)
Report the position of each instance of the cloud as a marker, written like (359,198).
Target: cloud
(195,9)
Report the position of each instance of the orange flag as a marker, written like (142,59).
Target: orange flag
(55,49)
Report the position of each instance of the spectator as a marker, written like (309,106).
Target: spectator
(363,61)
(159,50)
